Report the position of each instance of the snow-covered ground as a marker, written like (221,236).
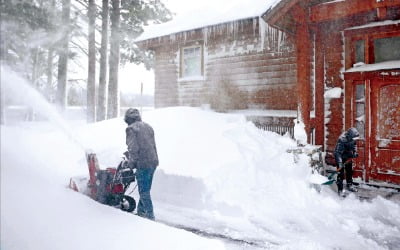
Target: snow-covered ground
(219,176)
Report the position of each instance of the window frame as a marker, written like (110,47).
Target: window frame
(368,35)
(182,61)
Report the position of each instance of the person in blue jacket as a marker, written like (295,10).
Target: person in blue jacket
(345,151)
(142,155)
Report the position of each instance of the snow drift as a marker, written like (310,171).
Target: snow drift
(218,173)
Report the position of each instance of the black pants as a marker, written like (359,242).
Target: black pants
(348,169)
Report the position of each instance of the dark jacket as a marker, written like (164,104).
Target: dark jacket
(345,148)
(141,145)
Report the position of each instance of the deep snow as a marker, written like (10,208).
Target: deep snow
(218,174)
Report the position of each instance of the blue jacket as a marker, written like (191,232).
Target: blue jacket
(345,148)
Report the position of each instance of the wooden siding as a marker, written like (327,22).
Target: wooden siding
(333,43)
(259,63)
(166,72)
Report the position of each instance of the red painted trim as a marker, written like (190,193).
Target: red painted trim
(336,10)
(303,50)
(319,90)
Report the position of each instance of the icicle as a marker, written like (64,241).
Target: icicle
(205,35)
(279,40)
(254,26)
(261,31)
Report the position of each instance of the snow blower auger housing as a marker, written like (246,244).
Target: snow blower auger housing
(108,186)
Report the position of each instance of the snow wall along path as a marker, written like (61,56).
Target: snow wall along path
(222,167)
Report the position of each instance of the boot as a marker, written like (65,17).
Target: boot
(351,188)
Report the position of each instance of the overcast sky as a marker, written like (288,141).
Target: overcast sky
(179,6)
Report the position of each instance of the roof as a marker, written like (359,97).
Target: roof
(220,12)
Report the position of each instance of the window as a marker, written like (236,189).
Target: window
(387,49)
(191,62)
(360,109)
(359,51)
(389,112)
(371,45)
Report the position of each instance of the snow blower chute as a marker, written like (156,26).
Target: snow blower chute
(107,186)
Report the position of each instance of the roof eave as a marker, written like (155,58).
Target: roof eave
(153,42)
(272,15)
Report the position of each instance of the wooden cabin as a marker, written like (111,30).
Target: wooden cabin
(288,58)
(230,61)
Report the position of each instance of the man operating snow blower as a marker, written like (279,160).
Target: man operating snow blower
(345,151)
(143,156)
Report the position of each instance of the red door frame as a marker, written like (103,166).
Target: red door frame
(373,82)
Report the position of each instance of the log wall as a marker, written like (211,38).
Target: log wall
(256,61)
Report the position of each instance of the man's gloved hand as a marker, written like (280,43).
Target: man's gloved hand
(340,166)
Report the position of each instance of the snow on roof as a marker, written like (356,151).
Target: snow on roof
(375,24)
(375,66)
(219,12)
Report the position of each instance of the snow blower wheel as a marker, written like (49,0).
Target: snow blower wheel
(128,204)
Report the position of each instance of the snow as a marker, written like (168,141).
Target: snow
(299,132)
(333,93)
(375,24)
(202,16)
(218,173)
(360,67)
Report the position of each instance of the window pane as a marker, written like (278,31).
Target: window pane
(360,92)
(191,62)
(359,46)
(360,109)
(387,49)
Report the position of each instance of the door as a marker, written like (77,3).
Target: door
(385,130)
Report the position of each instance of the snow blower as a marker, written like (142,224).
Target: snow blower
(107,186)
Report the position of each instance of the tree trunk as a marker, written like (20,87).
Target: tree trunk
(49,73)
(113,89)
(91,82)
(50,68)
(30,116)
(3,61)
(61,98)
(102,94)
